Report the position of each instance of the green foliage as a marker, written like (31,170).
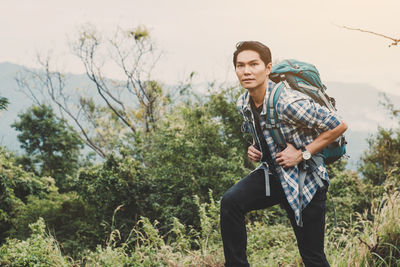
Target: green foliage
(104,187)
(370,242)
(67,216)
(40,249)
(382,156)
(152,202)
(371,239)
(15,187)
(49,142)
(139,33)
(187,156)
(350,196)
(108,257)
(3,103)
(222,105)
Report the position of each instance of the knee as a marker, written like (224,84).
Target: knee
(228,201)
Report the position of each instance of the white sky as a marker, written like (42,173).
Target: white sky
(200,35)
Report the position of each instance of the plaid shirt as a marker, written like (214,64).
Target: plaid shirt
(301,121)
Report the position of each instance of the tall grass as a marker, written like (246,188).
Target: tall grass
(40,249)
(371,239)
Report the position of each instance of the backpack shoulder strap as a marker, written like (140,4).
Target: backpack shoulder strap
(272,116)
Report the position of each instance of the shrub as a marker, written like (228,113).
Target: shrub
(40,249)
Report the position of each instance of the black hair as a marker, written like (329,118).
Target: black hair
(260,48)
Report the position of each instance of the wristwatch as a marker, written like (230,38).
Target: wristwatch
(306,153)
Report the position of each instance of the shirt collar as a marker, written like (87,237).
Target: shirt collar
(270,86)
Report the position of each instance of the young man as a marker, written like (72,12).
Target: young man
(307,128)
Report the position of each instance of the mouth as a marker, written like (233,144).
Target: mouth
(248,80)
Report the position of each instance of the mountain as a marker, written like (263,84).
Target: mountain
(18,102)
(358,104)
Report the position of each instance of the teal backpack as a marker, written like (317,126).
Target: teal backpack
(303,77)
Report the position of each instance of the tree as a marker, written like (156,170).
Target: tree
(189,155)
(222,105)
(49,142)
(15,187)
(134,103)
(119,183)
(3,103)
(382,155)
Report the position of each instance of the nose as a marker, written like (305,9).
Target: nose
(246,69)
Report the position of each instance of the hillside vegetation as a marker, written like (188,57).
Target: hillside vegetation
(147,192)
(155,201)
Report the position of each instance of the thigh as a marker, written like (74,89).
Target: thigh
(249,193)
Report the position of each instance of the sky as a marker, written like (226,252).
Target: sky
(200,36)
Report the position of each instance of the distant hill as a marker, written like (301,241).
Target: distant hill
(358,104)
(18,102)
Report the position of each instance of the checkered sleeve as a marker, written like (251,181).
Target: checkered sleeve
(307,113)
(240,103)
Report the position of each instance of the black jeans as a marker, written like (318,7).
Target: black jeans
(249,194)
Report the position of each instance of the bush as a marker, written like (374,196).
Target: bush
(68,218)
(369,242)
(15,187)
(40,249)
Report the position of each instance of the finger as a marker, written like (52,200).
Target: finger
(253,159)
(250,152)
(258,153)
(283,163)
(254,156)
(255,150)
(255,153)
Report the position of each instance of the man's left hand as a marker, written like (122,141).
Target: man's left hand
(289,157)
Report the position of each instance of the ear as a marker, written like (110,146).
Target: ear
(269,67)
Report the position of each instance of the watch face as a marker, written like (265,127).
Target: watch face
(306,155)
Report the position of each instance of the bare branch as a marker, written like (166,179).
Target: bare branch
(126,106)
(22,83)
(54,84)
(85,50)
(395,41)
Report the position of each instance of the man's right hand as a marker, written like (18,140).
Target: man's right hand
(254,154)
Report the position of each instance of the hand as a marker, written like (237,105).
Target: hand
(289,157)
(254,154)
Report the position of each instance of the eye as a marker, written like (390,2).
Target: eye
(254,64)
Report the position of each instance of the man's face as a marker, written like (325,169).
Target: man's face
(251,70)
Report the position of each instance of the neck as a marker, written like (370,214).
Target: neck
(258,94)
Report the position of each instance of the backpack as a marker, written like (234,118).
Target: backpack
(303,77)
